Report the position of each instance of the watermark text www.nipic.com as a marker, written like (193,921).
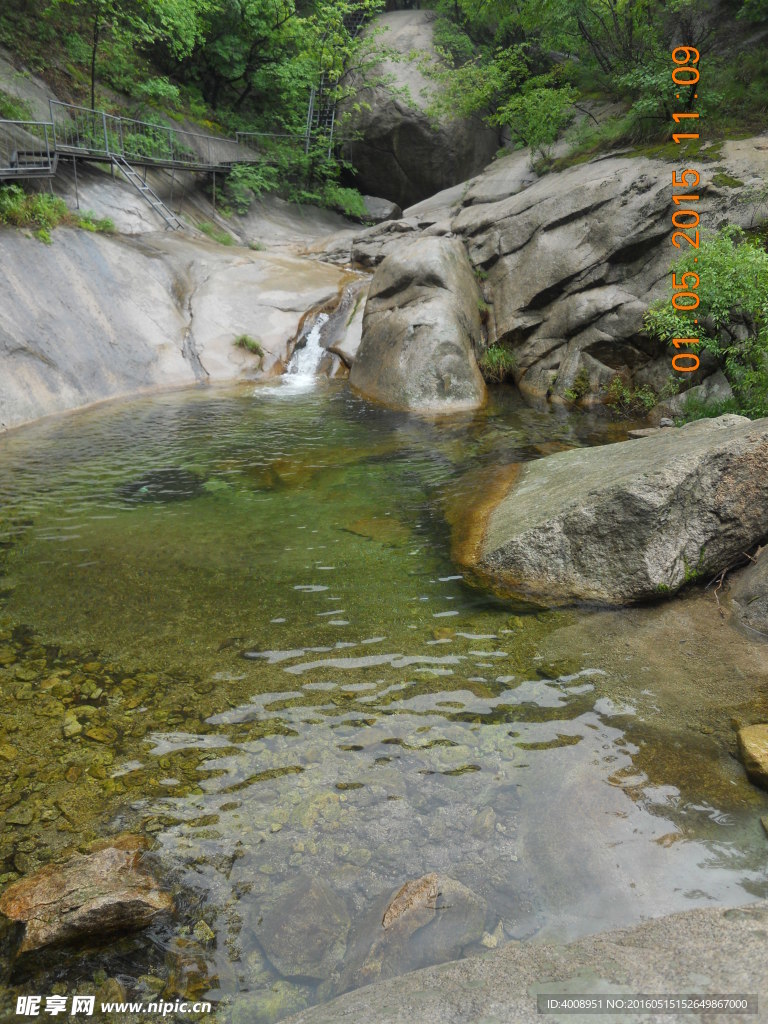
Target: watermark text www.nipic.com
(85,1006)
(685,222)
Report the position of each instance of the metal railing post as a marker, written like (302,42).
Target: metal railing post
(106,137)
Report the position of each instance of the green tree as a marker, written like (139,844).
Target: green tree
(732,272)
(141,22)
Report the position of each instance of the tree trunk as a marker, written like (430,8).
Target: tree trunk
(94,48)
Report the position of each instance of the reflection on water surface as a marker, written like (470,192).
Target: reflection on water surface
(244,602)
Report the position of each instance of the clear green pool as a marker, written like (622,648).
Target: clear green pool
(245,600)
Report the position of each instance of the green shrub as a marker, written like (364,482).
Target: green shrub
(13,109)
(581,386)
(497,364)
(628,401)
(733,277)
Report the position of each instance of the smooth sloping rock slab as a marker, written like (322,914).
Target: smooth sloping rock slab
(93,894)
(624,522)
(698,951)
(750,595)
(420,330)
(753,751)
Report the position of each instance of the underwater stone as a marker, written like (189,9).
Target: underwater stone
(304,932)
(162,485)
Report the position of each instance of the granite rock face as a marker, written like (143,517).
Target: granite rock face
(624,522)
(574,259)
(421,328)
(399,152)
(115,316)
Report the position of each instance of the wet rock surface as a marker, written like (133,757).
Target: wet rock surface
(625,522)
(753,751)
(106,891)
(421,328)
(749,593)
(712,950)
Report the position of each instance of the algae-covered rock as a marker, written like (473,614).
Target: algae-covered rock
(269,1004)
(304,932)
(90,895)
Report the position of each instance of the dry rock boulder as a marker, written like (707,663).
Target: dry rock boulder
(106,891)
(421,328)
(623,522)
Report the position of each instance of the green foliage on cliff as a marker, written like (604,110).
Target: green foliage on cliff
(232,65)
(732,272)
(609,49)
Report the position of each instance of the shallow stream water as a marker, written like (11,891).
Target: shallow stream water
(244,598)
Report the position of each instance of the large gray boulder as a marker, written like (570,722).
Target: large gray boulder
(710,950)
(749,594)
(420,330)
(624,522)
(398,152)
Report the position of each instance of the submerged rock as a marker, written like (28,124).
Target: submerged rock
(753,751)
(90,895)
(162,485)
(426,921)
(624,522)
(304,932)
(750,595)
(420,330)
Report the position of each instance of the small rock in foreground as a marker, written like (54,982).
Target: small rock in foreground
(93,894)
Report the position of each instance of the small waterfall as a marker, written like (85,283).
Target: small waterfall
(302,369)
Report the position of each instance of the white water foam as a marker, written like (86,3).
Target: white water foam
(302,369)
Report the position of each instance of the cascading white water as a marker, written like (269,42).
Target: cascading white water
(302,369)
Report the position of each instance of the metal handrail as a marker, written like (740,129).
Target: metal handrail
(85,131)
(26,148)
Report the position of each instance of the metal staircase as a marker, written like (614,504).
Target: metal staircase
(321,113)
(144,190)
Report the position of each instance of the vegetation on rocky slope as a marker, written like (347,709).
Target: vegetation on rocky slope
(731,274)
